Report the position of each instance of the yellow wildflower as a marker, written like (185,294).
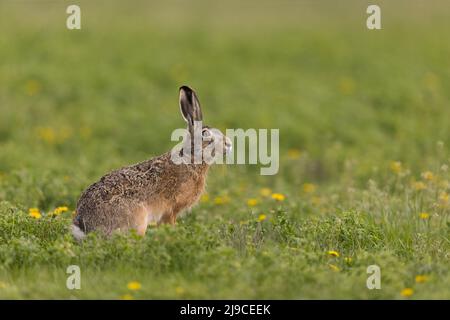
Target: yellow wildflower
(126,297)
(407,292)
(294,153)
(316,201)
(420,278)
(221,200)
(204,198)
(179,290)
(309,188)
(262,217)
(428,175)
(60,210)
(278,196)
(348,260)
(54,135)
(265,192)
(419,185)
(34,213)
(396,167)
(32,87)
(47,134)
(424,215)
(252,202)
(333,253)
(134,285)
(443,198)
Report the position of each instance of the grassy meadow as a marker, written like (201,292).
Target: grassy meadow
(364,119)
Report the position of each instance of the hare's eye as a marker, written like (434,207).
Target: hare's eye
(206,133)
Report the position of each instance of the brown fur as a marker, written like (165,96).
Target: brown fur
(124,199)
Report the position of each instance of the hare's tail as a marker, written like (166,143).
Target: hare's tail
(77,233)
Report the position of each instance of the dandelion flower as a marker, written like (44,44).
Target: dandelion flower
(134,286)
(252,202)
(333,253)
(396,167)
(407,292)
(60,210)
(262,217)
(443,198)
(348,260)
(428,175)
(32,87)
(278,196)
(179,290)
(47,134)
(421,278)
(419,185)
(309,188)
(265,192)
(293,153)
(34,213)
(204,198)
(424,215)
(221,200)
(316,201)
(126,297)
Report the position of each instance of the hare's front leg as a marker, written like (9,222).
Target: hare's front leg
(169,218)
(140,222)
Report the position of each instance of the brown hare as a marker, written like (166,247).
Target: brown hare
(154,191)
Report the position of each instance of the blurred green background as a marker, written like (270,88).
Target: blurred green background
(355,108)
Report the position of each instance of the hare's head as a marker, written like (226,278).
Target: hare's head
(211,142)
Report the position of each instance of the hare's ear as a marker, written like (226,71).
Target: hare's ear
(190,106)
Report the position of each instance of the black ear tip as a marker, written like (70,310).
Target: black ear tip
(185,88)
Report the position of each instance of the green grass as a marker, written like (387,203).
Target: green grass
(348,102)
